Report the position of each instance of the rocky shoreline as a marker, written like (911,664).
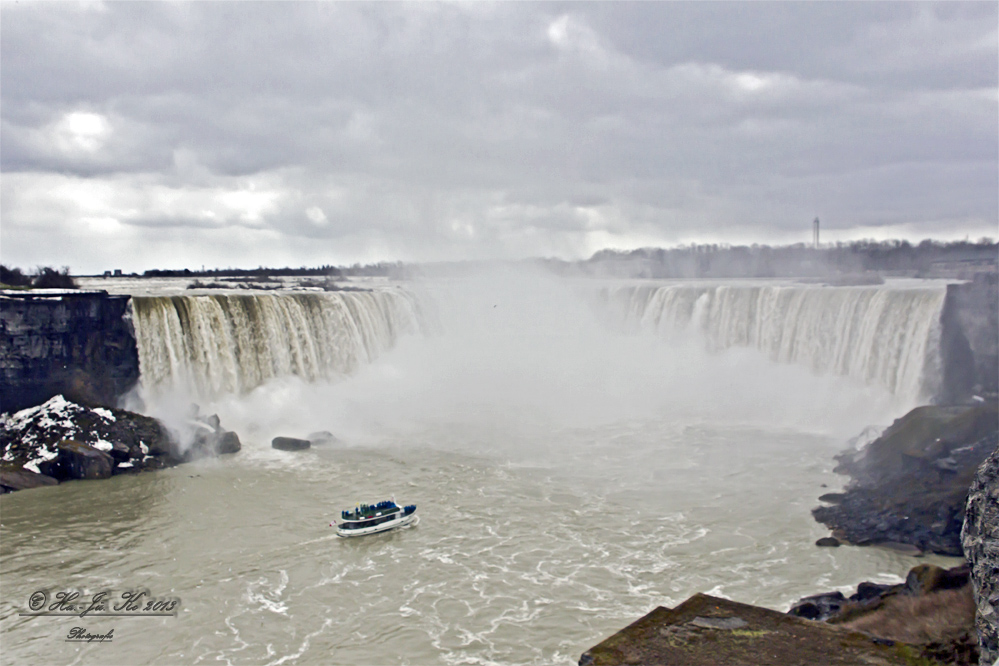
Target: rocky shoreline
(910,485)
(61,440)
(930,483)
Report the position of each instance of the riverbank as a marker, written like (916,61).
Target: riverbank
(932,473)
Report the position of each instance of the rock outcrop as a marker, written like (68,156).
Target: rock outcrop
(910,485)
(980,538)
(62,440)
(17,478)
(290,444)
(932,611)
(707,631)
(210,439)
(921,580)
(74,343)
(76,460)
(322,438)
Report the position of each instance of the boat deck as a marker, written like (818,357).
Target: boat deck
(367,512)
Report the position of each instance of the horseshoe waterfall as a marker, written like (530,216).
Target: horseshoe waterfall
(883,335)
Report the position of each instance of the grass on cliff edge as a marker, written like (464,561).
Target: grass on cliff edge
(938,616)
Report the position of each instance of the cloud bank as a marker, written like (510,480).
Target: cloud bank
(141,135)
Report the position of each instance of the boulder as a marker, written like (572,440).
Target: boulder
(827,542)
(868,590)
(819,607)
(228,442)
(927,578)
(322,437)
(18,478)
(81,461)
(290,444)
(980,538)
(210,439)
(120,451)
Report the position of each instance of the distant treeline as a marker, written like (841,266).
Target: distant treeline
(382,269)
(900,258)
(44,277)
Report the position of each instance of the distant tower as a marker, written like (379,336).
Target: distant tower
(815,233)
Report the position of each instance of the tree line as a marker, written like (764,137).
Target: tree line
(926,259)
(44,277)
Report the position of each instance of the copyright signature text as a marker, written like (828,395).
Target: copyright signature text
(130,603)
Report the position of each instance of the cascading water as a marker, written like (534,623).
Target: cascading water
(886,335)
(209,345)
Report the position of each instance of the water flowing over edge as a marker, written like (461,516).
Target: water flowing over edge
(880,335)
(210,345)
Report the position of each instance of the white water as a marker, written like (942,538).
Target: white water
(886,335)
(217,344)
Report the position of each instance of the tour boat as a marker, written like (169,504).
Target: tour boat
(374,518)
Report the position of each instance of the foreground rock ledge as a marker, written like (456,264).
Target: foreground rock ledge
(709,631)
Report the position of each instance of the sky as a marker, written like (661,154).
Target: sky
(244,134)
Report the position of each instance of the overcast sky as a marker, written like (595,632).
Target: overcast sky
(143,135)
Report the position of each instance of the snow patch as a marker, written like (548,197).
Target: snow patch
(104,414)
(57,412)
(103,445)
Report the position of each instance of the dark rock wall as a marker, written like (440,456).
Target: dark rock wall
(969,343)
(78,344)
(980,538)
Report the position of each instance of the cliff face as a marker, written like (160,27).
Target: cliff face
(980,538)
(969,343)
(78,344)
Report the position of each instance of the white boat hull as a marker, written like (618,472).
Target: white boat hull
(400,521)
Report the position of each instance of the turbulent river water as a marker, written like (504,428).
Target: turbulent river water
(569,477)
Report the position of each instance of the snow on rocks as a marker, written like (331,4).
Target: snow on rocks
(61,440)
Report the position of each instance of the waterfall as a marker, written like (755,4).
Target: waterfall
(209,345)
(886,334)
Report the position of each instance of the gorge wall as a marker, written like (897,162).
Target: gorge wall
(970,338)
(79,344)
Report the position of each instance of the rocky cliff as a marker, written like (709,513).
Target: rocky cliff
(980,538)
(77,344)
(969,340)
(910,485)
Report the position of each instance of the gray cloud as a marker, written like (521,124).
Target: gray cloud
(342,132)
